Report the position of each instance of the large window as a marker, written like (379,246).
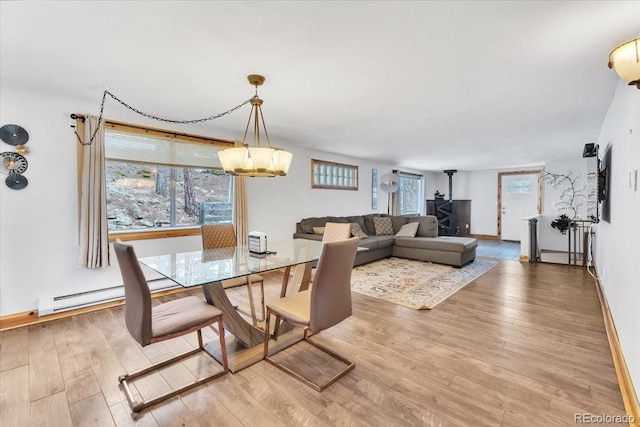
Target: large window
(157,181)
(410,193)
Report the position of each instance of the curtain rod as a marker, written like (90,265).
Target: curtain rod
(75,116)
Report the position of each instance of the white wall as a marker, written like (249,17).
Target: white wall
(38,225)
(479,186)
(618,241)
(277,204)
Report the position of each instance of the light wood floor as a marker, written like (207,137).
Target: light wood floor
(522,345)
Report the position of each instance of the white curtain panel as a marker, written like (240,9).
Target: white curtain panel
(240,219)
(93,226)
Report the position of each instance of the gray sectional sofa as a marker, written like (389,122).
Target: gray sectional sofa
(425,246)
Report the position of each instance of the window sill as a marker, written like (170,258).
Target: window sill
(154,234)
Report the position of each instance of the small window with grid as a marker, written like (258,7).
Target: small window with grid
(520,186)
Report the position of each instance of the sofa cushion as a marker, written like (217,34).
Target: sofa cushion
(318,230)
(307,224)
(359,219)
(398,222)
(428,226)
(377,242)
(338,219)
(383,226)
(385,241)
(356,231)
(442,243)
(408,230)
(369,228)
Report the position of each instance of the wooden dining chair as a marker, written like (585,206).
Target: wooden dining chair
(148,324)
(326,304)
(215,236)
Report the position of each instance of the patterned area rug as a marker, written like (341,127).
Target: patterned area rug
(414,284)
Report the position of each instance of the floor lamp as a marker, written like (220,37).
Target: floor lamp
(389,184)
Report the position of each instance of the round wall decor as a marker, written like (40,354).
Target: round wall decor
(14,135)
(16,181)
(13,163)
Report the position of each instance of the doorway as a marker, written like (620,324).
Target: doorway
(519,196)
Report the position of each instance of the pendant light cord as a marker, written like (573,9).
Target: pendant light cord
(135,110)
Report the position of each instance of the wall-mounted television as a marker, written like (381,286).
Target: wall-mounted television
(604,185)
(602,197)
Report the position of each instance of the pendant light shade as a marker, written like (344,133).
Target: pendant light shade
(255,160)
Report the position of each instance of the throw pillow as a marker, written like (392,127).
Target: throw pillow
(383,226)
(318,230)
(356,231)
(408,230)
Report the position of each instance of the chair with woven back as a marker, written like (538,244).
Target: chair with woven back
(332,231)
(150,324)
(216,236)
(336,231)
(326,304)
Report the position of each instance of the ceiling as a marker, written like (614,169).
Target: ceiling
(426,85)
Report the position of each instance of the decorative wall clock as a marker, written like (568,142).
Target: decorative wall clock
(14,135)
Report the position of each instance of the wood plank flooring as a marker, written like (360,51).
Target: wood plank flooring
(524,344)
(502,249)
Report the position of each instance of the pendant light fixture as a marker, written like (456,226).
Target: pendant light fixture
(255,160)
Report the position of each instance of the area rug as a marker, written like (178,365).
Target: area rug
(415,284)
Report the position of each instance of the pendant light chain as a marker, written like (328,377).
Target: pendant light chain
(161,119)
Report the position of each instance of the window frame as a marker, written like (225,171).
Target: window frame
(421,182)
(175,137)
(517,184)
(334,174)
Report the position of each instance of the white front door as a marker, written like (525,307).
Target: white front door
(519,199)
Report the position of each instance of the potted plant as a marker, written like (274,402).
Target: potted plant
(562,223)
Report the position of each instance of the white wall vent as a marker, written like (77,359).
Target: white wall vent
(62,303)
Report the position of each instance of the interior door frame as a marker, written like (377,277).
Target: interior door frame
(538,172)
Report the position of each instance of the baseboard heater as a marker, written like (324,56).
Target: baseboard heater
(52,305)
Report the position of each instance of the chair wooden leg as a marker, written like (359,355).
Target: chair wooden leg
(139,406)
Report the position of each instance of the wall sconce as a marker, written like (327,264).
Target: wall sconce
(625,59)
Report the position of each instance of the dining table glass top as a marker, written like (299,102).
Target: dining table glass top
(202,267)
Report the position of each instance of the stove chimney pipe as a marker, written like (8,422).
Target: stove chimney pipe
(450,172)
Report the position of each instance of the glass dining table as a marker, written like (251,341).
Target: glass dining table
(208,268)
